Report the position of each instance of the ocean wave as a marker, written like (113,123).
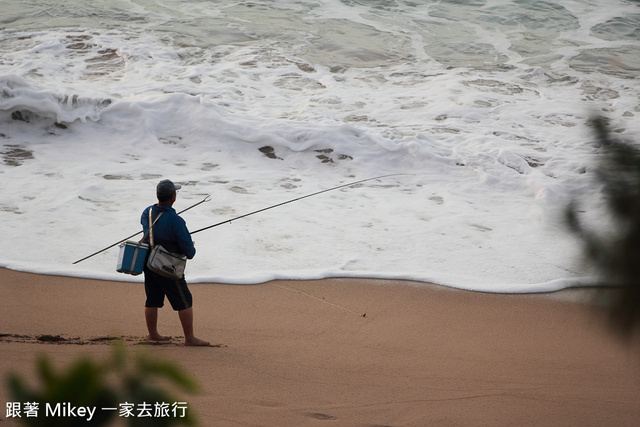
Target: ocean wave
(28,103)
(483,105)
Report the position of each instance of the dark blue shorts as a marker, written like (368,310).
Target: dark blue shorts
(157,287)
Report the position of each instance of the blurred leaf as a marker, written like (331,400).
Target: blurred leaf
(616,255)
(103,384)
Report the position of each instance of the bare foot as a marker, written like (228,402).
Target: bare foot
(158,337)
(196,342)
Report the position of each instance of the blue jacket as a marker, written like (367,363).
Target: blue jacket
(170,230)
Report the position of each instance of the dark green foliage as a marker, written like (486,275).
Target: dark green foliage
(83,384)
(616,256)
(103,384)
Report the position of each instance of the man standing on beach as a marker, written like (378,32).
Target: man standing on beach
(171,232)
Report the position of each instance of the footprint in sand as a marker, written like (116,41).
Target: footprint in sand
(62,340)
(320,416)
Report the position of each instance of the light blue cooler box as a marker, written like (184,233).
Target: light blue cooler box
(132,257)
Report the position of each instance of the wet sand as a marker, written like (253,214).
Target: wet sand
(346,352)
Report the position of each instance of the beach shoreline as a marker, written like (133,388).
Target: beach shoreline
(346,351)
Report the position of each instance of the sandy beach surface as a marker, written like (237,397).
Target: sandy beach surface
(346,352)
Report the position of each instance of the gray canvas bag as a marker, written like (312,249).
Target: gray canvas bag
(163,262)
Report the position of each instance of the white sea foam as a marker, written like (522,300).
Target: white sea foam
(484,106)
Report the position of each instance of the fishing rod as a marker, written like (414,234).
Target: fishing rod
(206,199)
(295,200)
(228,221)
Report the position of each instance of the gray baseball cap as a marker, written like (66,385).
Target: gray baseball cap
(166,188)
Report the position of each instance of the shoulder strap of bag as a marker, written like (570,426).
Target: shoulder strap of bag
(151,224)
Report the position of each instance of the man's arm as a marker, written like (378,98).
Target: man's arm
(144,221)
(184,239)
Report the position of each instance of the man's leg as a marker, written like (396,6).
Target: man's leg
(186,318)
(151,316)
(155,300)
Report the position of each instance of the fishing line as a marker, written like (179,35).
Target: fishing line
(320,299)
